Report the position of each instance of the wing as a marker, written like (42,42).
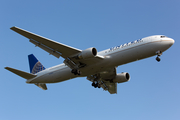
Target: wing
(105,80)
(111,87)
(58,49)
(52,47)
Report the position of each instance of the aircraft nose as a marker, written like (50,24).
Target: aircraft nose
(171,42)
(168,42)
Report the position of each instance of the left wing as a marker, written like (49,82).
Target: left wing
(105,80)
(58,49)
(52,47)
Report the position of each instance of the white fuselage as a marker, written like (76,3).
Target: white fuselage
(113,57)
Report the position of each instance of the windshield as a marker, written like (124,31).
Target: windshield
(164,37)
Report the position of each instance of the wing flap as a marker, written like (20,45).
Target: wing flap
(47,49)
(21,73)
(111,87)
(64,50)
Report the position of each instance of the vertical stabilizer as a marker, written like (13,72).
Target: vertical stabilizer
(34,64)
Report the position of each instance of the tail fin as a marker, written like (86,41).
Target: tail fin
(35,67)
(34,64)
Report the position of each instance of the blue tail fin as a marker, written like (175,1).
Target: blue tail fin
(34,64)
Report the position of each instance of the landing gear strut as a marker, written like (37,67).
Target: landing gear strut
(159,53)
(75,72)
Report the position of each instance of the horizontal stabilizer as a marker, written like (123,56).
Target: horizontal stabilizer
(21,73)
(42,86)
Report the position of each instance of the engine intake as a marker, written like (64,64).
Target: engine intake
(88,53)
(121,77)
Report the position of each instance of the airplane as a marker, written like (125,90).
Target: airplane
(98,67)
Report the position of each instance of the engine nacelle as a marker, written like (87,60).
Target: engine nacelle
(88,53)
(121,77)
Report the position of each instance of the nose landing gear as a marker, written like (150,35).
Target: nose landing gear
(159,53)
(158,59)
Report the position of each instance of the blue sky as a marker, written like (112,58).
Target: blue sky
(153,91)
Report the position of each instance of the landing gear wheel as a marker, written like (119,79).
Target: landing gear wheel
(99,86)
(96,85)
(93,84)
(158,59)
(75,72)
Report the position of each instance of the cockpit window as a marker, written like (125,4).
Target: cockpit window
(164,37)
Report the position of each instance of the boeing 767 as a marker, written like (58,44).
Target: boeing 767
(98,67)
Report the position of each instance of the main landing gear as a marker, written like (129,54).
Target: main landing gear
(75,72)
(95,85)
(159,53)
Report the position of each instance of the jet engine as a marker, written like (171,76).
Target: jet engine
(88,53)
(121,77)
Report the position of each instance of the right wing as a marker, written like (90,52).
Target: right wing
(55,48)
(112,87)
(104,79)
